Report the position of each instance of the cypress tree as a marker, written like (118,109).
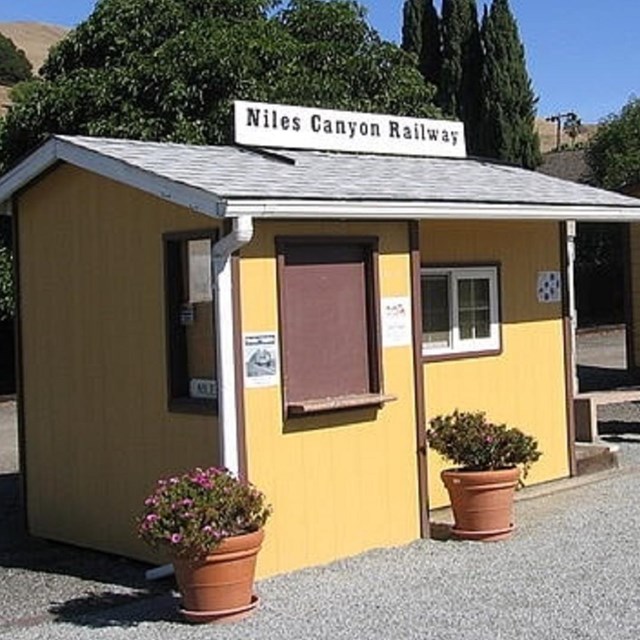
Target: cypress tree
(460,84)
(412,21)
(508,109)
(421,36)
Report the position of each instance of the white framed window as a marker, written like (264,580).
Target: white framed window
(460,310)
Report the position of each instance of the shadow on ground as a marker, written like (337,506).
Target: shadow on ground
(619,431)
(119,603)
(605,379)
(123,610)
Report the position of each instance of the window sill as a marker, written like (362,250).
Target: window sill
(305,407)
(193,405)
(460,355)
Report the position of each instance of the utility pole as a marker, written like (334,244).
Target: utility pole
(558,119)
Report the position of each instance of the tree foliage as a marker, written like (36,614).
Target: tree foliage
(460,89)
(14,66)
(421,36)
(169,70)
(7,293)
(613,153)
(480,74)
(508,113)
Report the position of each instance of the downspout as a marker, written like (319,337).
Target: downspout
(221,252)
(222,288)
(573,309)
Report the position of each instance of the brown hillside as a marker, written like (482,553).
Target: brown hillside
(548,132)
(35,39)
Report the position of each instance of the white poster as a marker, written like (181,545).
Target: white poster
(549,286)
(261,360)
(396,322)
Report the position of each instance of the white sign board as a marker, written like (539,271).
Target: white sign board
(285,126)
(396,322)
(549,286)
(261,360)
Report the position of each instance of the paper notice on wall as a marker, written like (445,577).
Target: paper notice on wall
(261,360)
(549,286)
(396,322)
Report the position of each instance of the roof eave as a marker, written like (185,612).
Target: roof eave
(433,210)
(58,150)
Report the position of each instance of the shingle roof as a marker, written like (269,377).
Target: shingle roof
(232,181)
(234,172)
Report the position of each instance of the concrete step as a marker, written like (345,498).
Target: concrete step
(593,458)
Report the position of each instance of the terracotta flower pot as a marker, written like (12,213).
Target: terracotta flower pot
(220,586)
(482,502)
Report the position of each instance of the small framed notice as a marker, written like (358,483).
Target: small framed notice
(261,360)
(396,322)
(549,286)
(203,388)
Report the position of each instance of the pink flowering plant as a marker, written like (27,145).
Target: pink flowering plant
(474,443)
(192,513)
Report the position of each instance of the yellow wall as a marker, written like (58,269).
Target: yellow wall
(97,429)
(344,482)
(525,385)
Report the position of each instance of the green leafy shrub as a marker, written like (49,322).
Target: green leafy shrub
(7,293)
(468,439)
(14,66)
(191,514)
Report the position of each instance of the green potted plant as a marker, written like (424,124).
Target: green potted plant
(211,525)
(490,459)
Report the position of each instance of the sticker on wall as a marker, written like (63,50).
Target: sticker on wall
(396,322)
(261,360)
(203,388)
(549,286)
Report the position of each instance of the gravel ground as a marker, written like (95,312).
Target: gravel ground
(572,571)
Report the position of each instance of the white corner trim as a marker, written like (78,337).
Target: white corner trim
(395,210)
(40,160)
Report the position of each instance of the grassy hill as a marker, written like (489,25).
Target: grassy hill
(35,39)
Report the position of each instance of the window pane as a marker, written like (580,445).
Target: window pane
(199,253)
(192,356)
(436,315)
(474,308)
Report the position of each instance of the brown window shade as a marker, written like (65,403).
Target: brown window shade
(328,320)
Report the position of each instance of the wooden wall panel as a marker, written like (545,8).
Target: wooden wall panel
(97,429)
(341,482)
(525,385)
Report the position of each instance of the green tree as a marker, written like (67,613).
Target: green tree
(613,153)
(14,66)
(460,88)
(508,110)
(421,36)
(169,70)
(7,294)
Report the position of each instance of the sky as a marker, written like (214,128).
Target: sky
(582,55)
